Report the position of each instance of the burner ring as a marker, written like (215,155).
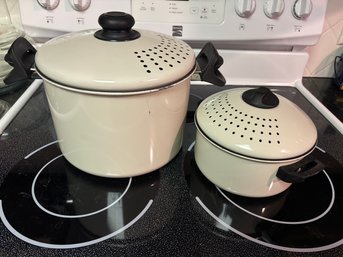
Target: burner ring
(70,216)
(287,222)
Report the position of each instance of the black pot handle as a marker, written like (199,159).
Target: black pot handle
(21,56)
(303,169)
(261,97)
(116,26)
(209,62)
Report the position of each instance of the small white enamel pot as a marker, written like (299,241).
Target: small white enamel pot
(253,142)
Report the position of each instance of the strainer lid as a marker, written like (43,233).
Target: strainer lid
(276,133)
(108,60)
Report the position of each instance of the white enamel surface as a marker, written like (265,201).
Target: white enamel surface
(119,136)
(237,175)
(282,132)
(80,60)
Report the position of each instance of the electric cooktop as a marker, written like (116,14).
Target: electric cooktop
(50,208)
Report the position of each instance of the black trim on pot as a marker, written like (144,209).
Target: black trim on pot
(115,93)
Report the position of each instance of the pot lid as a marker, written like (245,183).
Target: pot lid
(256,123)
(115,58)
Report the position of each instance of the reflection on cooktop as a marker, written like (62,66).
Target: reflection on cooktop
(307,217)
(48,202)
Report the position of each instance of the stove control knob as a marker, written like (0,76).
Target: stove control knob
(48,4)
(245,8)
(80,5)
(302,9)
(273,8)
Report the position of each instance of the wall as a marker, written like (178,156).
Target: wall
(322,55)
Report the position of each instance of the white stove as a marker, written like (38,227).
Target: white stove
(262,43)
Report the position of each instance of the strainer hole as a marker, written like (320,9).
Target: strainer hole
(148,71)
(260,140)
(145,66)
(160,68)
(233,132)
(156,63)
(170,65)
(278,142)
(269,142)
(251,139)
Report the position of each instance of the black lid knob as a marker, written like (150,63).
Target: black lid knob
(116,26)
(261,97)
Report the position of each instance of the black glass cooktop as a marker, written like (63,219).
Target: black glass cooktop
(50,208)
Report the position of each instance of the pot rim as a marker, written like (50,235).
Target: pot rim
(295,158)
(116,93)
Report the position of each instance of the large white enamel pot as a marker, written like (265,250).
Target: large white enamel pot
(118,96)
(253,142)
